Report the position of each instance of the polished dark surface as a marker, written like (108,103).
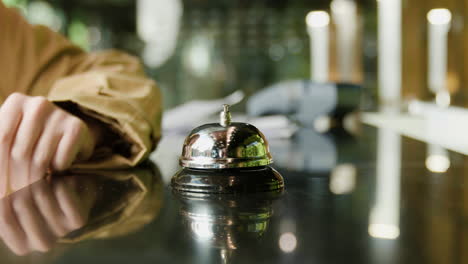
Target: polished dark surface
(347,199)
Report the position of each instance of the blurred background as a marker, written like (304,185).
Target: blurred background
(395,51)
(205,49)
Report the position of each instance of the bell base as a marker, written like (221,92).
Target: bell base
(229,181)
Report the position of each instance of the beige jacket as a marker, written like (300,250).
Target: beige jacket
(109,86)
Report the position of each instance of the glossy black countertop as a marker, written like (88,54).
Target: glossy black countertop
(375,197)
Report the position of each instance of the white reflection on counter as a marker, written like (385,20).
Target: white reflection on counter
(384,220)
(203,229)
(343,179)
(287,242)
(384,231)
(437,159)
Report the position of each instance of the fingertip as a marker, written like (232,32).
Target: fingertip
(60,164)
(21,252)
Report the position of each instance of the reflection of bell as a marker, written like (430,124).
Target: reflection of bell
(226,157)
(227,222)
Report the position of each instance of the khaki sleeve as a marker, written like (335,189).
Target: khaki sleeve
(129,103)
(108,86)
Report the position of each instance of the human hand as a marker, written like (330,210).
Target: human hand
(36,136)
(34,218)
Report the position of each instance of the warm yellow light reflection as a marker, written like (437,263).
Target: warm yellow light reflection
(439,16)
(287,242)
(343,179)
(317,19)
(437,163)
(384,231)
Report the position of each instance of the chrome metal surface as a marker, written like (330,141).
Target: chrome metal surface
(202,183)
(225,116)
(225,145)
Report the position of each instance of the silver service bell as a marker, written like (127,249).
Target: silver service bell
(226,157)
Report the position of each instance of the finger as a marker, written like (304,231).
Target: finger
(11,115)
(35,113)
(18,174)
(49,208)
(69,144)
(44,152)
(70,206)
(10,230)
(39,236)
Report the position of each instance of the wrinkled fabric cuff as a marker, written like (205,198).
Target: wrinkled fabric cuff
(94,96)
